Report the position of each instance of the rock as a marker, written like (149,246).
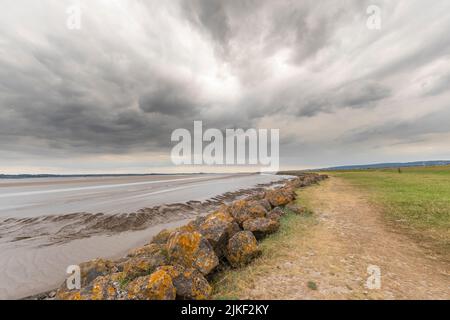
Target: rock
(108,288)
(242,210)
(192,250)
(278,197)
(275,214)
(242,248)
(266,204)
(296,183)
(257,209)
(194,225)
(93,269)
(261,226)
(143,265)
(162,237)
(147,250)
(157,286)
(233,230)
(102,288)
(289,192)
(89,272)
(216,228)
(189,283)
(296,208)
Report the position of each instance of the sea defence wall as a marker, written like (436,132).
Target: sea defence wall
(178,264)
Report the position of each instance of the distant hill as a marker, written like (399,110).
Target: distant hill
(391,165)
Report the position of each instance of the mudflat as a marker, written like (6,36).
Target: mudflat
(49,224)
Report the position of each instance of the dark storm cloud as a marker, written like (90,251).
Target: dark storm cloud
(210,16)
(403,130)
(138,70)
(170,98)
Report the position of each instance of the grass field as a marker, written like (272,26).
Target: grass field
(415,199)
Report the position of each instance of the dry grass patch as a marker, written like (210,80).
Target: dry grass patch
(281,246)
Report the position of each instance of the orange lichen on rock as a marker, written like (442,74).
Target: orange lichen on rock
(90,270)
(242,248)
(261,226)
(278,197)
(162,237)
(147,250)
(217,228)
(102,288)
(144,261)
(242,210)
(189,283)
(192,250)
(157,286)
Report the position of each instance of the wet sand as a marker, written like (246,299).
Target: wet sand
(48,224)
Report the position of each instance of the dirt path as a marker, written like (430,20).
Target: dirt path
(350,236)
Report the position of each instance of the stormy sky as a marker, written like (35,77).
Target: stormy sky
(106,97)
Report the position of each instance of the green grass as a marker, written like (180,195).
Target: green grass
(312,285)
(417,199)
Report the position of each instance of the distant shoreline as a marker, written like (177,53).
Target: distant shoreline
(37,176)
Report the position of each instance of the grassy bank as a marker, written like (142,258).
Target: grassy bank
(415,199)
(292,234)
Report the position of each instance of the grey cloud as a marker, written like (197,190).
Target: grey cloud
(211,16)
(122,85)
(170,98)
(406,131)
(441,85)
(358,95)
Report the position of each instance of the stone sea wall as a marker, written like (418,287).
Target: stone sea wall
(176,264)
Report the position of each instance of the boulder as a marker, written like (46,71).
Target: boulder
(275,214)
(143,265)
(102,288)
(278,197)
(193,225)
(89,271)
(147,250)
(242,210)
(93,269)
(261,227)
(242,248)
(157,286)
(295,183)
(216,228)
(192,250)
(289,192)
(266,204)
(108,288)
(233,230)
(190,284)
(162,237)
